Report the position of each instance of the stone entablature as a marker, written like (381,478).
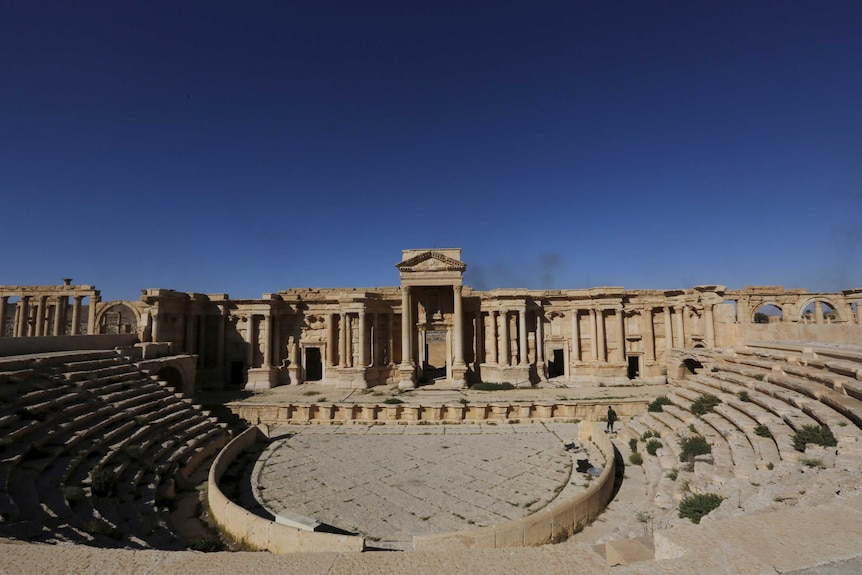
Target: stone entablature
(432,327)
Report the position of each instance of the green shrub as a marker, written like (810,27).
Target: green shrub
(392,401)
(650,433)
(491,386)
(762,431)
(704,404)
(694,507)
(809,462)
(652,446)
(658,402)
(103,482)
(206,544)
(102,527)
(673,474)
(691,447)
(743,396)
(770,466)
(633,444)
(74,494)
(636,458)
(818,435)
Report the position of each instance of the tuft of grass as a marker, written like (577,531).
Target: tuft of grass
(704,404)
(770,466)
(103,482)
(636,458)
(816,434)
(492,386)
(310,393)
(392,401)
(633,444)
(74,494)
(812,462)
(694,507)
(673,474)
(743,396)
(102,527)
(762,431)
(658,402)
(207,544)
(652,446)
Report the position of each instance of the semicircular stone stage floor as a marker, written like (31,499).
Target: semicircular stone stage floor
(390,482)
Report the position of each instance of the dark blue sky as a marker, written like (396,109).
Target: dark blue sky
(247,148)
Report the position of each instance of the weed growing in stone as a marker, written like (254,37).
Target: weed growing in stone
(658,403)
(694,507)
(818,435)
(704,404)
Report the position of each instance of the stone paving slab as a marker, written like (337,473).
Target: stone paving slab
(391,482)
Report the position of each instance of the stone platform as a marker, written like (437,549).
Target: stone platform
(390,482)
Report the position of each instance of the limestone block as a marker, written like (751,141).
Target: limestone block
(628,551)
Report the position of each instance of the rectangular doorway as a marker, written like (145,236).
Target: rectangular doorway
(313,364)
(634,370)
(556,367)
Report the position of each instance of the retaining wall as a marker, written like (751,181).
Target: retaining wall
(47,344)
(255,531)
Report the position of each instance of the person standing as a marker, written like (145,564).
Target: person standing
(612,417)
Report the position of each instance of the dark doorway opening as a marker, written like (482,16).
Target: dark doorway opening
(172,377)
(692,365)
(313,364)
(634,367)
(556,366)
(236,374)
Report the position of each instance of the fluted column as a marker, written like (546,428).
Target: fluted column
(332,341)
(649,334)
(576,337)
(710,325)
(342,340)
(479,338)
(390,340)
(679,330)
(621,334)
(522,337)
(818,311)
(25,316)
(76,315)
(267,340)
(600,334)
(91,316)
(540,338)
(223,312)
(363,353)
(668,330)
(406,328)
(594,334)
(60,315)
(40,315)
(458,324)
(504,354)
(252,340)
(492,322)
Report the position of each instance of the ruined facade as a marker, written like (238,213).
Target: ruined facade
(432,328)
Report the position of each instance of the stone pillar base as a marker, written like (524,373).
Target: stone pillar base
(262,378)
(459,376)
(406,376)
(293,374)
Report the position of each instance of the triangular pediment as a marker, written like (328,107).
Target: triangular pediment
(431,261)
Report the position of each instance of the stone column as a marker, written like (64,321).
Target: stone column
(479,339)
(332,341)
(540,338)
(458,324)
(342,340)
(221,336)
(76,315)
(576,336)
(16,324)
(91,319)
(680,329)
(363,357)
(600,334)
(492,322)
(668,329)
(4,301)
(406,328)
(191,320)
(25,316)
(818,311)
(594,333)
(375,340)
(154,330)
(390,340)
(621,333)
(504,350)
(649,335)
(267,340)
(40,315)
(522,337)
(60,315)
(252,340)
(710,325)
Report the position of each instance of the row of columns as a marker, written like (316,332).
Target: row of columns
(377,350)
(45,318)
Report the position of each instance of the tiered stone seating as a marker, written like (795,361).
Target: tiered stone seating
(67,417)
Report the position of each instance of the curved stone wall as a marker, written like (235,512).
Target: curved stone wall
(257,532)
(553,523)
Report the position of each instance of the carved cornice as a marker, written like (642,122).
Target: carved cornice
(449,264)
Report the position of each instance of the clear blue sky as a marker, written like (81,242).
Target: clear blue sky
(251,147)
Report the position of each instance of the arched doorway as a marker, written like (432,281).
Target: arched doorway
(172,377)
